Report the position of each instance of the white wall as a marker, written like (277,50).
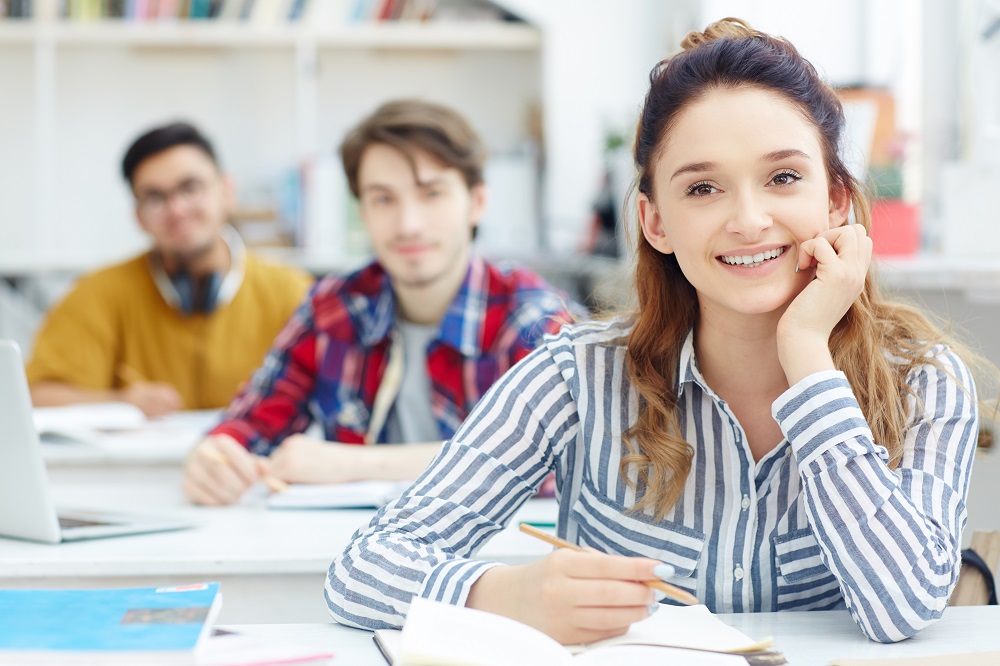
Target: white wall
(595,67)
(17,128)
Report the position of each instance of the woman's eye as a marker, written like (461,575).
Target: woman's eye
(786,178)
(701,189)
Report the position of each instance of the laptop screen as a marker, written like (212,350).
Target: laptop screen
(26,509)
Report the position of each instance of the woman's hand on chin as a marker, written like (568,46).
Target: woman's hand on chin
(839,259)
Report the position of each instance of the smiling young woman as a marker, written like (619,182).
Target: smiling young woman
(764,423)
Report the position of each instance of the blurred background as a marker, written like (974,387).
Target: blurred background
(553,86)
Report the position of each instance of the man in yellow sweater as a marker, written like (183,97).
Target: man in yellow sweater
(183,325)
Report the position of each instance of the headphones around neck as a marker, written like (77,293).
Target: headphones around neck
(196,294)
(191,294)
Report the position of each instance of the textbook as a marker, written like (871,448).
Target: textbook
(355,495)
(446,635)
(130,625)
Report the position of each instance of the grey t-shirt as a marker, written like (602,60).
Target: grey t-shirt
(412,420)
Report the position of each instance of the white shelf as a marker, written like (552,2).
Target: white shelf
(432,36)
(939,272)
(16,32)
(444,35)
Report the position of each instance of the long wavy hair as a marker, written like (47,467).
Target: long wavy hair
(730,54)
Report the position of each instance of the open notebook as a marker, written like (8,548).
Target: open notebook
(447,635)
(84,422)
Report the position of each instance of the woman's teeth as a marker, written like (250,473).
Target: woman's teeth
(753,260)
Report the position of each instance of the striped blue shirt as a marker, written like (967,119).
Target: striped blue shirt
(819,522)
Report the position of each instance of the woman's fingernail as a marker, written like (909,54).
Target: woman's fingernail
(664,571)
(796,267)
(659,595)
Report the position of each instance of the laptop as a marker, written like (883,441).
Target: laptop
(26,508)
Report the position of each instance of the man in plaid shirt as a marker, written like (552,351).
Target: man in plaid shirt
(399,351)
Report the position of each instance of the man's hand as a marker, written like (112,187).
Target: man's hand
(219,470)
(153,398)
(302,459)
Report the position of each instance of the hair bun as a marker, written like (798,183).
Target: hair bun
(732,28)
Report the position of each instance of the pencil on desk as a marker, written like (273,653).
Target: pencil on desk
(671,591)
(274,484)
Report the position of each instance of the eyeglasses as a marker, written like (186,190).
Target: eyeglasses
(153,204)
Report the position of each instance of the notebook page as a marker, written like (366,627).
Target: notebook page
(692,627)
(438,634)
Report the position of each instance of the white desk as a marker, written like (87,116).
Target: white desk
(806,639)
(272,563)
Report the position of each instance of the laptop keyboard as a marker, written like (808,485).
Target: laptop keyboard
(65,522)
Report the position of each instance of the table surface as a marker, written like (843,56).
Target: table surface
(246,538)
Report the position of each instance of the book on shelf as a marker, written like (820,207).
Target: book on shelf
(317,13)
(126,625)
(354,495)
(16,9)
(444,634)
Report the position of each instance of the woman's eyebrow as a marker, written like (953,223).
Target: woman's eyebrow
(694,167)
(777,155)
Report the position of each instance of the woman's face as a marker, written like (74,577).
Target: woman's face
(740,182)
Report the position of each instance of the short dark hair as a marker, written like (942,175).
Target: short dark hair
(163,138)
(409,125)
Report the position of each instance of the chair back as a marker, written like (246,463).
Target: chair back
(976,584)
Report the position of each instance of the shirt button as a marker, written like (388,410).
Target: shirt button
(746,502)
(738,574)
(940,605)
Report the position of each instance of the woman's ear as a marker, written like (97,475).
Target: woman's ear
(840,204)
(652,225)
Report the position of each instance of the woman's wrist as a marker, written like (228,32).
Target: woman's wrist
(802,355)
(494,591)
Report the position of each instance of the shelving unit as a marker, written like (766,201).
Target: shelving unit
(394,36)
(271,97)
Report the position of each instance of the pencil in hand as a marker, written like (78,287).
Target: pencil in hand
(675,593)
(274,484)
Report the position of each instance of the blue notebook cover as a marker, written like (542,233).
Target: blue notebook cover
(132,619)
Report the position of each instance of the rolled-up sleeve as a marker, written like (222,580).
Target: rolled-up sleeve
(421,544)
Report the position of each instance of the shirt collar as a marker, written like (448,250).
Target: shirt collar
(461,327)
(687,366)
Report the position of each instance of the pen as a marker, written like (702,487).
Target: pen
(671,591)
(273,484)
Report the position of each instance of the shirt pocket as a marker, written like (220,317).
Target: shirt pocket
(609,527)
(803,582)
